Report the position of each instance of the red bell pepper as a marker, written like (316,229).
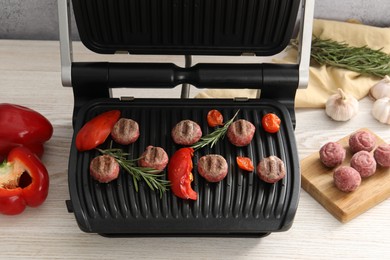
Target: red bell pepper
(24,181)
(96,131)
(22,126)
(179,173)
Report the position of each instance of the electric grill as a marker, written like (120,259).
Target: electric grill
(239,205)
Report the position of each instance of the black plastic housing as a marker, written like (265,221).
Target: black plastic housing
(190,27)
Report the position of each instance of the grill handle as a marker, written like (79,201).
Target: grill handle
(168,75)
(93,80)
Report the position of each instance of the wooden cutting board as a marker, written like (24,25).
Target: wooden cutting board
(317,180)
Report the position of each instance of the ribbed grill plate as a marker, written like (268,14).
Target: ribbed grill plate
(241,204)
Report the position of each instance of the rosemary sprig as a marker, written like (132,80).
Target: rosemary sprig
(214,136)
(363,60)
(149,175)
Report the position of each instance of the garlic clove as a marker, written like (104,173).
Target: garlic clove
(381,89)
(381,110)
(341,106)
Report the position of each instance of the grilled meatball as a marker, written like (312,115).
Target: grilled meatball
(125,131)
(346,178)
(154,157)
(104,168)
(382,155)
(362,141)
(332,154)
(213,167)
(364,163)
(240,132)
(271,169)
(186,132)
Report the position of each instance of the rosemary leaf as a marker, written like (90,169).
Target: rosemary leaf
(214,136)
(363,60)
(153,180)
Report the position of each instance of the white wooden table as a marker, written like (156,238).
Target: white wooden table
(30,76)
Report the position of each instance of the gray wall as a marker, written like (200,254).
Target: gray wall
(371,12)
(38,19)
(30,19)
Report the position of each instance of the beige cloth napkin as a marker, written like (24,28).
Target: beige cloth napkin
(325,80)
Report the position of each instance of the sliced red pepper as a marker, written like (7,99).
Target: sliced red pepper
(96,131)
(22,126)
(24,181)
(214,118)
(180,175)
(245,163)
(271,123)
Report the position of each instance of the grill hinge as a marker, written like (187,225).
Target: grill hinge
(127,98)
(241,99)
(248,54)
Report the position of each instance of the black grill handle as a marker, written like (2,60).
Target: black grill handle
(168,75)
(91,80)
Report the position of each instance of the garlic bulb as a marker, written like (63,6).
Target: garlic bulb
(381,89)
(381,110)
(341,106)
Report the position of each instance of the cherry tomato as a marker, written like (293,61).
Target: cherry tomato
(271,123)
(214,118)
(245,163)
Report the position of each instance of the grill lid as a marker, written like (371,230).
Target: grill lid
(193,27)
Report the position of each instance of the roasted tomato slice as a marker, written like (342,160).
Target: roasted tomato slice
(271,123)
(214,118)
(245,163)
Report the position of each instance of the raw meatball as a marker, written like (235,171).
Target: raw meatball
(240,132)
(213,167)
(332,154)
(125,131)
(382,155)
(364,163)
(346,178)
(362,141)
(186,132)
(271,169)
(104,168)
(154,157)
